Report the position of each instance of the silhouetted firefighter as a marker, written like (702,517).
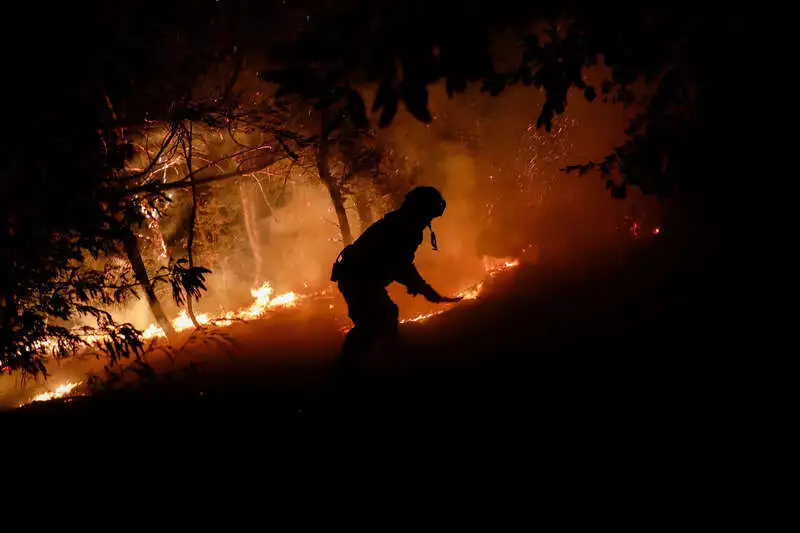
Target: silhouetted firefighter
(382,254)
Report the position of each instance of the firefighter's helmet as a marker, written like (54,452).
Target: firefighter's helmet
(426,201)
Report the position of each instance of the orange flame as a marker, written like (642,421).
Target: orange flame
(492,266)
(67,389)
(422,316)
(262,302)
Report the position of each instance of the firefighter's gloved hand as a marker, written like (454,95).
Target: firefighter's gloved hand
(433,296)
(430,294)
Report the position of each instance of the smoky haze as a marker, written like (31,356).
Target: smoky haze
(501,176)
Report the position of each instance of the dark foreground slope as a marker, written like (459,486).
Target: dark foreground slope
(650,327)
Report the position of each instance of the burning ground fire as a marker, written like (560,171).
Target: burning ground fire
(62,391)
(263,302)
(493,266)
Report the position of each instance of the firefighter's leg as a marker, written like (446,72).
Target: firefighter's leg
(357,343)
(387,322)
(364,306)
(387,316)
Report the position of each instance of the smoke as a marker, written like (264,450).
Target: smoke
(506,196)
(501,176)
(502,179)
(303,240)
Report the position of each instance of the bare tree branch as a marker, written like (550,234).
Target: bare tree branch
(184,183)
(286,179)
(186,180)
(155,158)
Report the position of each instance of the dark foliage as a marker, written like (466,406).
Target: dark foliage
(187,282)
(683,55)
(63,207)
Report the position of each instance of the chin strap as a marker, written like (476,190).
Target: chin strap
(433,238)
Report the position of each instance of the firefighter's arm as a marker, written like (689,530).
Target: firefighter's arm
(411,278)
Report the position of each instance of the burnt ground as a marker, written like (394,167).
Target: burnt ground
(647,335)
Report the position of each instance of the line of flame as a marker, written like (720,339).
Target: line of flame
(262,302)
(67,389)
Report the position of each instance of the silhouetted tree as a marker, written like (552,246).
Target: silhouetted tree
(66,196)
(683,55)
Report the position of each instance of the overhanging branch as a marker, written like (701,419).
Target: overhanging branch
(185,182)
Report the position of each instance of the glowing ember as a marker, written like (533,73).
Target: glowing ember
(634,227)
(493,265)
(62,391)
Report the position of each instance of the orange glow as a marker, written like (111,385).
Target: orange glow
(422,316)
(261,297)
(152,331)
(472,292)
(492,266)
(263,302)
(67,389)
(288,299)
(151,215)
(182,321)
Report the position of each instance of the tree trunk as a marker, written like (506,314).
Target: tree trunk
(192,221)
(249,215)
(363,208)
(139,270)
(333,190)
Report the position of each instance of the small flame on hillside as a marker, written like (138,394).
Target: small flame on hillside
(62,391)
(262,302)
